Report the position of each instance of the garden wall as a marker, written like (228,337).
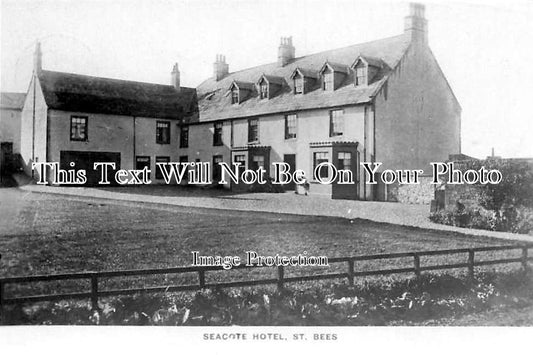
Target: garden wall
(416,194)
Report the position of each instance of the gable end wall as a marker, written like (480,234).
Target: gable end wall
(417,116)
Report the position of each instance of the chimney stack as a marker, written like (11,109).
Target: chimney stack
(416,24)
(286,51)
(220,68)
(175,77)
(37,59)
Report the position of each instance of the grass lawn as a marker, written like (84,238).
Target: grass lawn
(44,234)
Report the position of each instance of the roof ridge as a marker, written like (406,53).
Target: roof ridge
(112,79)
(317,53)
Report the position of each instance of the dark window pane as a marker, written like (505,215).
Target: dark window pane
(217,134)
(162,132)
(184,137)
(253,130)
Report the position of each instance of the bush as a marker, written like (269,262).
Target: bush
(509,219)
(382,302)
(507,206)
(515,189)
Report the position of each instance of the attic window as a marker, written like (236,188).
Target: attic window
(298,85)
(327,80)
(263,90)
(361,74)
(234,96)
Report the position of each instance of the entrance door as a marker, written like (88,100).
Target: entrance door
(6,158)
(291,160)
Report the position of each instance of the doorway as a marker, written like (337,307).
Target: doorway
(291,160)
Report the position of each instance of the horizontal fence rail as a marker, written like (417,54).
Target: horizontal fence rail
(281,279)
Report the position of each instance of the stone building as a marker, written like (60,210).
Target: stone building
(383,101)
(82,119)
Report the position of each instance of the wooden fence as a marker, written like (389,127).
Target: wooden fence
(350,274)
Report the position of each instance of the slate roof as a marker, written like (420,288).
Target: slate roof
(276,80)
(376,62)
(335,67)
(213,104)
(12,100)
(82,93)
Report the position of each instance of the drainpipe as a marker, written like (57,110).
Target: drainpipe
(134,143)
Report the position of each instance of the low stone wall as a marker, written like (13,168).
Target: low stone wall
(419,194)
(416,194)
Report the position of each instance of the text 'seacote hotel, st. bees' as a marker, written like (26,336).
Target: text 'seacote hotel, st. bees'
(385,100)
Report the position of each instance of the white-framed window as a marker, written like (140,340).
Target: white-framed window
(319,158)
(360,75)
(240,158)
(327,80)
(298,85)
(78,128)
(263,90)
(234,96)
(253,130)
(291,123)
(162,132)
(336,120)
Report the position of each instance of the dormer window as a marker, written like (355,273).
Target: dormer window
(361,75)
(304,80)
(263,90)
(269,85)
(298,85)
(327,80)
(332,75)
(240,91)
(235,96)
(366,70)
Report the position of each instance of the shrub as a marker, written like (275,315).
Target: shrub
(510,219)
(506,206)
(515,189)
(382,302)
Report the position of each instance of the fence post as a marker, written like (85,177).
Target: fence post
(280,277)
(350,272)
(417,264)
(201,278)
(94,292)
(524,259)
(471,265)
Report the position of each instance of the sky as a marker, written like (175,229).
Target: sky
(484,48)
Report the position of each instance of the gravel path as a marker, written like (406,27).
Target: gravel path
(394,213)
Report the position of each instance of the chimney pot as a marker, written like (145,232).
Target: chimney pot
(416,23)
(220,67)
(175,77)
(286,51)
